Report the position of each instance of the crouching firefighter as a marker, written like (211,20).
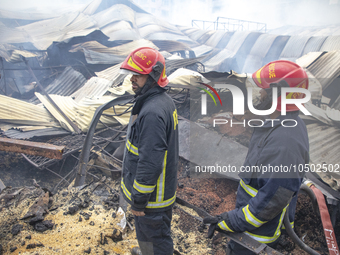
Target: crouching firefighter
(264,195)
(149,178)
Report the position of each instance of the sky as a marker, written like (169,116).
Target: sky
(275,14)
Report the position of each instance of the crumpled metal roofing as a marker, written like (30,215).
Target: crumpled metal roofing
(20,112)
(13,55)
(96,53)
(120,22)
(81,113)
(326,68)
(19,134)
(314,44)
(294,47)
(117,12)
(258,52)
(67,83)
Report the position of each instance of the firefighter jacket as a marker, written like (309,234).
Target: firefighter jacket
(149,179)
(276,161)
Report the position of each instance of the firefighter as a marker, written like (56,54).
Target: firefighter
(264,197)
(149,178)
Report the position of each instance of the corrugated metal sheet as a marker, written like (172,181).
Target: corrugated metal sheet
(122,50)
(117,12)
(82,113)
(326,68)
(314,44)
(202,50)
(174,64)
(198,35)
(170,37)
(205,36)
(67,83)
(170,46)
(43,33)
(294,47)
(333,114)
(143,19)
(110,73)
(225,40)
(128,34)
(110,29)
(227,55)
(215,38)
(188,77)
(18,134)
(331,43)
(311,31)
(13,55)
(19,112)
(324,144)
(94,87)
(154,28)
(93,57)
(275,50)
(91,7)
(13,35)
(307,59)
(258,52)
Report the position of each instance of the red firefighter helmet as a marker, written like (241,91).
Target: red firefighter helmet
(279,70)
(146,60)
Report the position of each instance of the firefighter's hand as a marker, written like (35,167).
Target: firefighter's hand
(137,213)
(213,221)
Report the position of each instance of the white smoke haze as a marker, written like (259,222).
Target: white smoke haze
(275,14)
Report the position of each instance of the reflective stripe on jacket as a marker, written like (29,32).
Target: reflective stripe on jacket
(263,197)
(149,178)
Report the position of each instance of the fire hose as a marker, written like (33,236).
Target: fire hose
(318,201)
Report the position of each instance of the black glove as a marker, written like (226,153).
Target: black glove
(213,221)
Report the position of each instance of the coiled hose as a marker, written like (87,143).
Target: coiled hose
(289,228)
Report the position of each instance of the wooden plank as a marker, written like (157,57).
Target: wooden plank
(32,148)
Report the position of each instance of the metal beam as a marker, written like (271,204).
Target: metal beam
(55,106)
(85,152)
(32,148)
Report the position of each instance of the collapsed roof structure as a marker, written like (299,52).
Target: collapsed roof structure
(76,57)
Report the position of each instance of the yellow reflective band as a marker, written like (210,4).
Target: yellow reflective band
(250,218)
(175,116)
(161,181)
(262,239)
(164,75)
(268,239)
(224,226)
(291,224)
(125,190)
(250,190)
(131,148)
(143,188)
(258,75)
(133,65)
(162,204)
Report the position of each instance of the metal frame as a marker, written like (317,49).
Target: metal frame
(231,25)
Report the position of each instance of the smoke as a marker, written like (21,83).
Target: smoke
(43,6)
(274,13)
(181,12)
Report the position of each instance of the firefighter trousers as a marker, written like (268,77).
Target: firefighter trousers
(153,233)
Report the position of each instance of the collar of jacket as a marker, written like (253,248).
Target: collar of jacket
(289,115)
(140,100)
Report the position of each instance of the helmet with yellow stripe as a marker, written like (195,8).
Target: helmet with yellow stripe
(280,70)
(146,60)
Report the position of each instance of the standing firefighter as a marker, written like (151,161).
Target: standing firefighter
(149,178)
(279,154)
